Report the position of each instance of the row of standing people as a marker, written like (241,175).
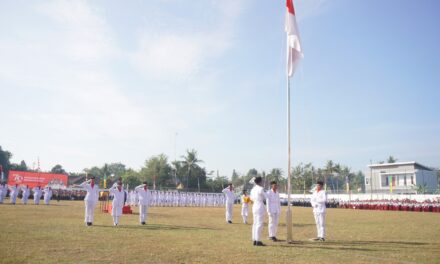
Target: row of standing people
(14,190)
(179,199)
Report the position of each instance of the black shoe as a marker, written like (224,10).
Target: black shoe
(230,222)
(274,239)
(143,223)
(259,243)
(255,243)
(322,239)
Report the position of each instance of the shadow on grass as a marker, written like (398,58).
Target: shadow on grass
(354,245)
(157,227)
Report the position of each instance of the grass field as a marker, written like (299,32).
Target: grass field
(56,234)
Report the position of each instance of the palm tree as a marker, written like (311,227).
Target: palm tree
(190,161)
(329,171)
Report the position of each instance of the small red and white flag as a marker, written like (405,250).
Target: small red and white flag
(294,53)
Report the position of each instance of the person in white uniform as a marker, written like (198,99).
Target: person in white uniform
(13,192)
(144,197)
(3,191)
(90,200)
(318,200)
(273,210)
(230,197)
(245,201)
(37,194)
(118,194)
(258,196)
(47,195)
(25,192)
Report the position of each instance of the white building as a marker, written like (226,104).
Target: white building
(400,178)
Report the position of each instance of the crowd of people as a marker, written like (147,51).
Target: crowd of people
(393,205)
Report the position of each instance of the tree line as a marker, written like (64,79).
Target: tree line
(189,174)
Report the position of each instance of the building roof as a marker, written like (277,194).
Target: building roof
(415,164)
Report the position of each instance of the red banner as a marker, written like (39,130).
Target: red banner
(42,179)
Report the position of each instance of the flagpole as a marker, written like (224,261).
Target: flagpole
(289,207)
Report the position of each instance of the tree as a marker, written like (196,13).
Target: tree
(391,159)
(158,171)
(190,163)
(58,169)
(131,177)
(19,167)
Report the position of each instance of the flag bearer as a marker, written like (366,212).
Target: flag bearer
(245,200)
(13,192)
(25,194)
(91,199)
(258,210)
(37,194)
(144,201)
(47,195)
(273,209)
(318,200)
(230,197)
(118,201)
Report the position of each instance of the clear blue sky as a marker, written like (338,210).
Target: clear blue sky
(88,82)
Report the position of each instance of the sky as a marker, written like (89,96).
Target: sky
(83,83)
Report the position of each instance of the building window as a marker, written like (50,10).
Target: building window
(404,180)
(412,179)
(367,181)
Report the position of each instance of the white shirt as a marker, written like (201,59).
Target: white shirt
(230,197)
(92,193)
(25,191)
(258,196)
(37,192)
(273,202)
(118,196)
(144,195)
(318,201)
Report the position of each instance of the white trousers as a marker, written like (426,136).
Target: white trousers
(36,200)
(273,224)
(46,200)
(115,220)
(1,197)
(320,224)
(13,199)
(143,209)
(90,210)
(229,210)
(257,226)
(24,200)
(244,213)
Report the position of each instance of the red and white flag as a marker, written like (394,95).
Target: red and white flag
(294,53)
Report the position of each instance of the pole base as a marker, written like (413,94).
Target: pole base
(289,225)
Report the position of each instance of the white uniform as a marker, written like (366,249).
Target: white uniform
(25,194)
(144,197)
(258,210)
(230,197)
(37,195)
(90,200)
(3,191)
(274,211)
(245,207)
(117,203)
(47,195)
(318,201)
(13,193)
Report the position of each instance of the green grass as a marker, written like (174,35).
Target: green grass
(56,234)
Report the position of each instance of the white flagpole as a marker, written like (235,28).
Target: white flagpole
(289,207)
